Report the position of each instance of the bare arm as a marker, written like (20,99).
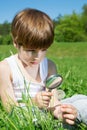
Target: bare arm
(51,68)
(6,90)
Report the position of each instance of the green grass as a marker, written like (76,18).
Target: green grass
(71,62)
(68,49)
(6,50)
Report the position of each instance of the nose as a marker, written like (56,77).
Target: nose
(36,54)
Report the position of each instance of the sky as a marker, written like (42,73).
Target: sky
(8,8)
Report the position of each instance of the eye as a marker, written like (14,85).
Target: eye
(33,51)
(44,50)
(30,50)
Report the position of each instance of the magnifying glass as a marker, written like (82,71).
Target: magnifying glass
(53,81)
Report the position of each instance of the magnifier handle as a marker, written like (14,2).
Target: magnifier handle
(48,90)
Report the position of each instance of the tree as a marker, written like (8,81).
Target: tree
(84,17)
(5,28)
(70,29)
(7,40)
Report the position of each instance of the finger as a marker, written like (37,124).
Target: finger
(45,98)
(69,116)
(68,109)
(68,106)
(49,94)
(46,103)
(71,122)
(69,113)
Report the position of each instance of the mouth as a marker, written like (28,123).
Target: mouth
(34,62)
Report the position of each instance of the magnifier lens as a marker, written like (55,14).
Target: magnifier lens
(53,81)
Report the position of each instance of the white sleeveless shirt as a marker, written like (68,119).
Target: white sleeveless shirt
(21,84)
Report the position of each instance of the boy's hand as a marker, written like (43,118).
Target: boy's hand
(42,99)
(69,113)
(66,112)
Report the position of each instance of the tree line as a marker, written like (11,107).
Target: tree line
(68,28)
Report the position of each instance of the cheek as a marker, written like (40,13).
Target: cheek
(42,55)
(25,57)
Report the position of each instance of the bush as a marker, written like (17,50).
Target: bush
(5,40)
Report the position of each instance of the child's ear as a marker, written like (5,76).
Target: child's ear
(15,45)
(14,42)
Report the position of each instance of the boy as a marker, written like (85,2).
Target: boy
(32,33)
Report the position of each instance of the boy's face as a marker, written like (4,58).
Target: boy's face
(31,57)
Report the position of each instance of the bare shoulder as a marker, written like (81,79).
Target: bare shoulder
(4,69)
(6,90)
(5,76)
(52,69)
(4,66)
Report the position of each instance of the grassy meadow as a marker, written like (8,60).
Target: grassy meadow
(71,62)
